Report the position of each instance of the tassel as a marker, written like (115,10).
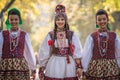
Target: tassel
(68,59)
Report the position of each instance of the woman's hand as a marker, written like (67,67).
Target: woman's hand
(79,72)
(78,67)
(41,73)
(33,75)
(41,76)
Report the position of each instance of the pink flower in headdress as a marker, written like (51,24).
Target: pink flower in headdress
(50,42)
(72,48)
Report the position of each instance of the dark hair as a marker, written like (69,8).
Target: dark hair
(102,12)
(14,12)
(64,16)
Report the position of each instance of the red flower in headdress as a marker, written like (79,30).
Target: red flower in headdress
(72,48)
(50,42)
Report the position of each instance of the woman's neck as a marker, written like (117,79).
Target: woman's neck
(14,29)
(60,29)
(102,29)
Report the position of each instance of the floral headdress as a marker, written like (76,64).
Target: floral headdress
(60,8)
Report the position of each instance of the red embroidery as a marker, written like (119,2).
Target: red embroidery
(72,48)
(6,53)
(110,49)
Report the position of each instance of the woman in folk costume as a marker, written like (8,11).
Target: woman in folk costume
(101,54)
(60,52)
(16,53)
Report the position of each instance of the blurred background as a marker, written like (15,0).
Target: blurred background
(38,16)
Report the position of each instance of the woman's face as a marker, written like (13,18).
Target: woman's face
(60,22)
(14,21)
(102,21)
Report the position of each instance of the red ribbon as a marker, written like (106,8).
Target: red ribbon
(72,48)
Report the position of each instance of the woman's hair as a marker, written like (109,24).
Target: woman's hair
(102,12)
(13,12)
(60,12)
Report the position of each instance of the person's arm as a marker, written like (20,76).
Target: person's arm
(30,56)
(87,52)
(44,52)
(117,50)
(43,55)
(77,46)
(77,55)
(1,43)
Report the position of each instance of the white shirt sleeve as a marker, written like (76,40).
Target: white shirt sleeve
(29,53)
(1,43)
(44,52)
(117,50)
(87,52)
(78,46)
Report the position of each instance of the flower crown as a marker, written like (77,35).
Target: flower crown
(60,8)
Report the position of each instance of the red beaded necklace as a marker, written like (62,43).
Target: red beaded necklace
(103,38)
(14,40)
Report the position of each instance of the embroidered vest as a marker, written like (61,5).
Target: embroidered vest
(110,54)
(66,50)
(18,52)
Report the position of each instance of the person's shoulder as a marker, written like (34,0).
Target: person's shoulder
(70,31)
(23,30)
(112,32)
(4,30)
(94,32)
(51,32)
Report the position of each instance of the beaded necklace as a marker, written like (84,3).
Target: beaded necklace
(60,30)
(14,40)
(61,41)
(103,43)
